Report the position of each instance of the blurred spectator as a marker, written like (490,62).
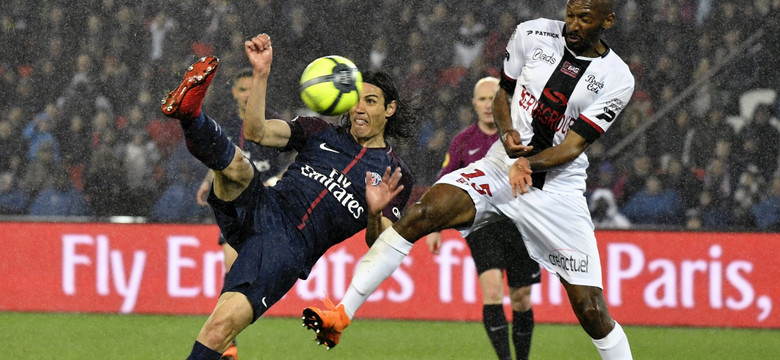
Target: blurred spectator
(714,211)
(693,220)
(37,173)
(140,160)
(710,132)
(11,148)
(498,37)
(759,143)
(40,130)
(470,42)
(604,211)
(717,181)
(747,193)
(675,176)
(641,169)
(59,199)
(767,211)
(74,135)
(674,136)
(654,205)
(176,203)
(104,184)
(13,200)
(158,31)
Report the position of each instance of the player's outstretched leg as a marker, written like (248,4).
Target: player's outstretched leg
(327,324)
(184,102)
(204,138)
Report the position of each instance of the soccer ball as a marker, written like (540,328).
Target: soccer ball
(331,85)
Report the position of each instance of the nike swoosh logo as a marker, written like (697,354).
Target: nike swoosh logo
(326,148)
(491,329)
(473,151)
(536,273)
(264,304)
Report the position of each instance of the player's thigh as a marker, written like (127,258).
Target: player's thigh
(559,234)
(441,207)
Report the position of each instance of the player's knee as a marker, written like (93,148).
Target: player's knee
(418,217)
(219,331)
(520,298)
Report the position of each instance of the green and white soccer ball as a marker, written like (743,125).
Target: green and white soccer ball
(331,85)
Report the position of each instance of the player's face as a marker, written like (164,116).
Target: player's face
(241,93)
(483,102)
(584,23)
(369,116)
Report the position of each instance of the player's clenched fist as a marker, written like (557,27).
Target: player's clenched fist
(260,53)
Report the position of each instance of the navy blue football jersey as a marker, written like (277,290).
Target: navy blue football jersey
(325,185)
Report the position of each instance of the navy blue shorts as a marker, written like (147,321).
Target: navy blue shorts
(271,255)
(500,246)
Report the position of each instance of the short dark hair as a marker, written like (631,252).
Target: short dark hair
(242,73)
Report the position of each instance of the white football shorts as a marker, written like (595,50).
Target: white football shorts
(557,228)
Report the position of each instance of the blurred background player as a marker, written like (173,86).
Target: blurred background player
(495,247)
(268,162)
(567,88)
(339,184)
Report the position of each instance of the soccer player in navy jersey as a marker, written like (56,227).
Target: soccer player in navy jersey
(494,247)
(345,178)
(567,87)
(269,163)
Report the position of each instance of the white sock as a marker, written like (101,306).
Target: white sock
(379,262)
(614,346)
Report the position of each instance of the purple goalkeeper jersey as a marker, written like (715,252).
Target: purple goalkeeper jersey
(469,145)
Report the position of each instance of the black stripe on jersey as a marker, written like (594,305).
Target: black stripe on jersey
(507,83)
(550,111)
(585,128)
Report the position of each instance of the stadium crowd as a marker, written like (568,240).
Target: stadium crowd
(81,133)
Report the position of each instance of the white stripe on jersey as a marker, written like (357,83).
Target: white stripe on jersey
(534,53)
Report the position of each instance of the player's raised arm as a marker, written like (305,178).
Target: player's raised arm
(258,129)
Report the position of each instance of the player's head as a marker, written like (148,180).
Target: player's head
(381,106)
(482,100)
(242,82)
(585,21)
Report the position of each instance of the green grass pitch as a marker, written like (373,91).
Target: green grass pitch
(92,336)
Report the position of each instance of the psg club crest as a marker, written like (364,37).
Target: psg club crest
(375,179)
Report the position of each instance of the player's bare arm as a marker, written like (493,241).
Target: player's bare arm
(520,172)
(377,198)
(510,138)
(271,133)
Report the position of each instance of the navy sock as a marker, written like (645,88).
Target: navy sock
(522,329)
(497,329)
(207,142)
(201,352)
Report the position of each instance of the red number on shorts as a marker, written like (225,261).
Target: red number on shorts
(481,189)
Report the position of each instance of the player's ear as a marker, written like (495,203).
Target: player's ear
(390,108)
(609,20)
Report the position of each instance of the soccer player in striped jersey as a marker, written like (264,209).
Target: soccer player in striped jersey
(345,178)
(567,87)
(495,248)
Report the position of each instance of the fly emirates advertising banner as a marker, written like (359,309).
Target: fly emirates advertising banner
(650,278)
